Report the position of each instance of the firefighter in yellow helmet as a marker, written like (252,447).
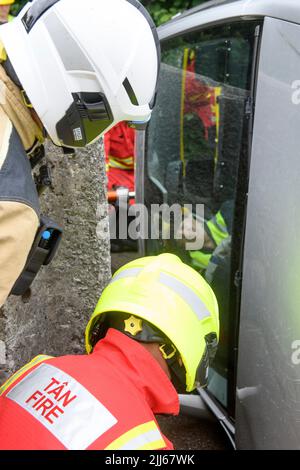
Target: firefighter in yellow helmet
(5,6)
(154,332)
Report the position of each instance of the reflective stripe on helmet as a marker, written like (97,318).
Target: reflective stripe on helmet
(187,294)
(143,437)
(178,287)
(132,272)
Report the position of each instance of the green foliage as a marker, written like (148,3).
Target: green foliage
(17,6)
(164,10)
(161,10)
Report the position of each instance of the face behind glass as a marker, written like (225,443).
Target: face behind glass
(4,12)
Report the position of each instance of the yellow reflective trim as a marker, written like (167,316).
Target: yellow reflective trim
(22,371)
(200,260)
(186,53)
(218,92)
(137,432)
(26,100)
(160,444)
(124,163)
(3,55)
(118,165)
(218,228)
(121,160)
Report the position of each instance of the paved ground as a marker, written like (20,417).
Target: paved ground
(189,433)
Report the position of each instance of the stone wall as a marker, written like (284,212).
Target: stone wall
(53,319)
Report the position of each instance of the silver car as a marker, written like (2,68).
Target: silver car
(225,134)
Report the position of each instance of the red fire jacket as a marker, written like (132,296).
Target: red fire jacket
(119,152)
(119,146)
(199,98)
(106,400)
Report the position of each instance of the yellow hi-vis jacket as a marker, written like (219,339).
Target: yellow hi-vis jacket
(218,231)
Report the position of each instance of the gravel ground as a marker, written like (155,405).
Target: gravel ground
(188,433)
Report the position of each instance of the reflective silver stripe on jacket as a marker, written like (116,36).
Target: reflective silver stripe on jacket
(186,293)
(62,405)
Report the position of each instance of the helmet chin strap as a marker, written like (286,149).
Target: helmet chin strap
(145,333)
(175,365)
(154,350)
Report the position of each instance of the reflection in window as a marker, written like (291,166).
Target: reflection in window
(195,140)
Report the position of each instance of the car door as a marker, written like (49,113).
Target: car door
(195,154)
(268,398)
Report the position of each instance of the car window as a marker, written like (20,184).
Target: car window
(194,148)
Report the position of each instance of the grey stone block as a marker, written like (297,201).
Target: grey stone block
(52,321)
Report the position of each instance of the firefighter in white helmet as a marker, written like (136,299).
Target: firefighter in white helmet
(70,77)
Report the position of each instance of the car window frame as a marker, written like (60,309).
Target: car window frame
(242,191)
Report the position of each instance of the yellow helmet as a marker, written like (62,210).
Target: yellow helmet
(7,2)
(161,299)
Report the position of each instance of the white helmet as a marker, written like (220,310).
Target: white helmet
(85,65)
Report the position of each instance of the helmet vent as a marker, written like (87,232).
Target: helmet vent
(151,23)
(35,12)
(130,92)
(91,106)
(69,51)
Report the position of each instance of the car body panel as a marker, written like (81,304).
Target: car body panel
(214,12)
(268,393)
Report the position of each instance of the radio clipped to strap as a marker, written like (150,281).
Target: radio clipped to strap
(43,250)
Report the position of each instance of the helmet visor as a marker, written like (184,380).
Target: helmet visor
(206,360)
(86,120)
